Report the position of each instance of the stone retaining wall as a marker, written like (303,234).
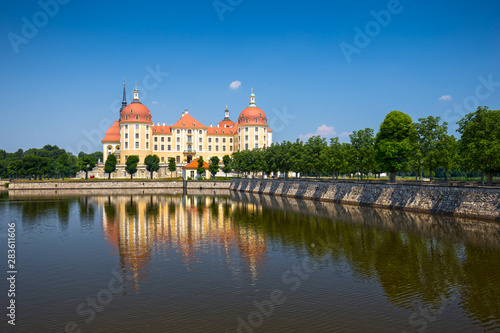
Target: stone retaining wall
(97,185)
(461,201)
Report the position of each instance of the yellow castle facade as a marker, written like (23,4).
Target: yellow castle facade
(135,133)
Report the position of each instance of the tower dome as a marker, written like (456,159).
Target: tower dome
(135,112)
(252,115)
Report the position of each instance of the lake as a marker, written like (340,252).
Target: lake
(205,261)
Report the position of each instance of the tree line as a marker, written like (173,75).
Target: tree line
(422,148)
(49,161)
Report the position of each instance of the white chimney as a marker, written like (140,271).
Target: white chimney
(183,113)
(158,124)
(163,123)
(210,124)
(186,111)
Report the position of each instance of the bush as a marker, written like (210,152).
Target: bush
(6,185)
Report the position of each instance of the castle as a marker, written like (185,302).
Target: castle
(135,133)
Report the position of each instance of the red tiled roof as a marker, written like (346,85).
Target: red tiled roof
(221,131)
(135,112)
(252,113)
(194,165)
(162,130)
(187,121)
(228,123)
(113,133)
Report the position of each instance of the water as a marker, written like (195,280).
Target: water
(231,262)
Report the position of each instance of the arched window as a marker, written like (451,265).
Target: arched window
(256,120)
(137,116)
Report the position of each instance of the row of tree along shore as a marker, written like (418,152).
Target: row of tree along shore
(421,149)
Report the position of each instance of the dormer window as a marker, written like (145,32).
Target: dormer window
(183,124)
(256,120)
(137,116)
(194,124)
(131,111)
(126,117)
(147,117)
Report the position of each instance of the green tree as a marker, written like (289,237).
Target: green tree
(110,165)
(429,135)
(200,170)
(213,168)
(394,143)
(15,168)
(131,165)
(31,165)
(63,165)
(171,165)
(314,149)
(86,164)
(152,164)
(449,153)
(479,145)
(227,164)
(362,144)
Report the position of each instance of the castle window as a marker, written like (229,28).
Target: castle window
(136,127)
(256,129)
(147,145)
(155,139)
(147,126)
(260,115)
(126,135)
(136,116)
(223,140)
(200,147)
(137,145)
(223,148)
(183,124)
(216,140)
(131,111)
(256,145)
(256,120)
(200,140)
(126,117)
(178,131)
(230,148)
(156,147)
(230,140)
(169,147)
(222,131)
(246,120)
(209,148)
(246,137)
(126,147)
(256,137)
(126,127)
(246,129)
(162,139)
(169,139)
(215,131)
(178,139)
(216,148)
(163,159)
(209,140)
(162,147)
(178,147)
(147,136)
(200,132)
(178,159)
(189,131)
(194,124)
(137,135)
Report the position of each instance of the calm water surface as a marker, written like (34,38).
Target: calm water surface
(233,262)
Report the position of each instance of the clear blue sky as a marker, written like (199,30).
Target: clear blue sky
(62,81)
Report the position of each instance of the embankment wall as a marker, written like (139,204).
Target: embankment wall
(461,201)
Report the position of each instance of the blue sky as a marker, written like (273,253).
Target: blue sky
(61,81)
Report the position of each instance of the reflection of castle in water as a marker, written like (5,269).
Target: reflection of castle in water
(140,227)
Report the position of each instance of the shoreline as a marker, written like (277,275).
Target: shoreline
(478,203)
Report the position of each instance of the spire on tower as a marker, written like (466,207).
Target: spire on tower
(136,94)
(252,99)
(226,114)
(124,101)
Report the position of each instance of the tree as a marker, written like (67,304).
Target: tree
(63,165)
(429,135)
(200,170)
(86,163)
(131,165)
(15,168)
(227,164)
(449,153)
(394,143)
(314,149)
(171,165)
(213,168)
(362,143)
(110,165)
(479,145)
(31,165)
(152,164)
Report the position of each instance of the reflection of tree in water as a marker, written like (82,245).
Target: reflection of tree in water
(131,209)
(413,269)
(87,213)
(63,208)
(152,210)
(36,212)
(480,287)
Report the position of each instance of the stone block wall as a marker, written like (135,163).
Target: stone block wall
(461,201)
